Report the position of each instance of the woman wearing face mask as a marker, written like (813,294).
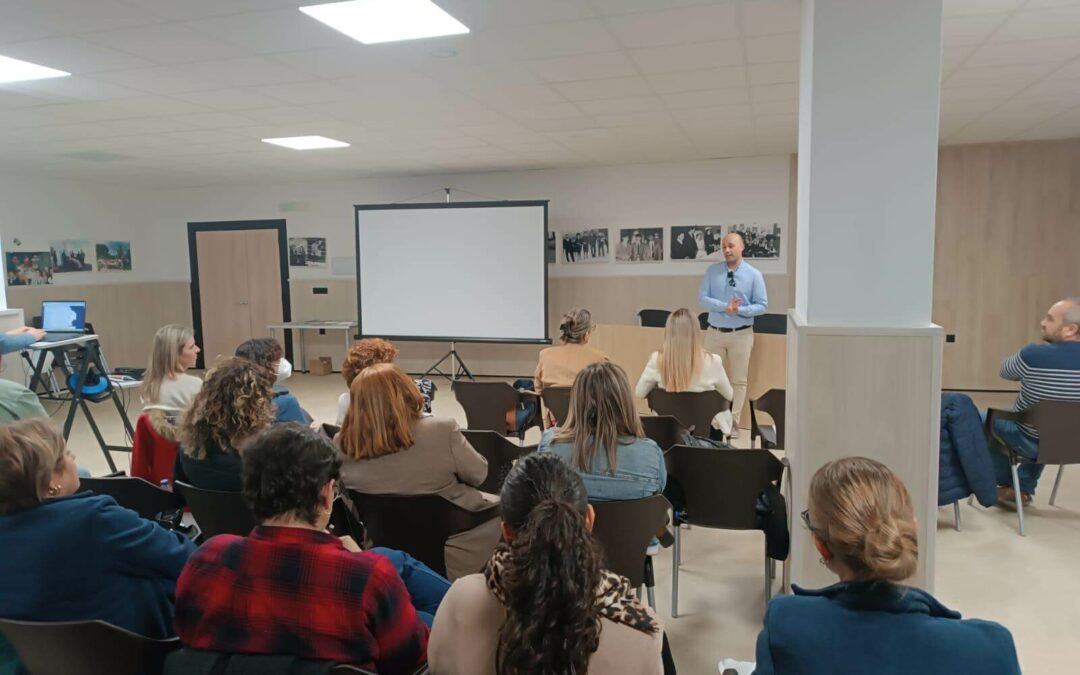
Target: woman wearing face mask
(268,353)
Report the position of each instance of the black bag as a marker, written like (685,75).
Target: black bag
(771,516)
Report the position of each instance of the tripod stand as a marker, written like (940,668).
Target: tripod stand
(457,366)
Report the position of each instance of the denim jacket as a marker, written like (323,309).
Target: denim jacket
(639,471)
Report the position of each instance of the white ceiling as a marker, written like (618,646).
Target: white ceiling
(179,92)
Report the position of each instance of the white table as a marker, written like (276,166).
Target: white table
(302,326)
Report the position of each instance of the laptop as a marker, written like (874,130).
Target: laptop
(63,319)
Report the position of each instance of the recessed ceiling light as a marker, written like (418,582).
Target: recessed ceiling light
(14,70)
(374,21)
(306,142)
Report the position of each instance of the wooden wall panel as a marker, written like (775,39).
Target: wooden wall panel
(1008,235)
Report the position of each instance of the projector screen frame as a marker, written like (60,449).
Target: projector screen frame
(357,208)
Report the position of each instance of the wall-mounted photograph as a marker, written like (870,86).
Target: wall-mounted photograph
(550,248)
(29,268)
(71,255)
(640,245)
(586,246)
(113,256)
(762,241)
(307,251)
(697,242)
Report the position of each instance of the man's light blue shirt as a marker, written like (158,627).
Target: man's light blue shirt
(716,292)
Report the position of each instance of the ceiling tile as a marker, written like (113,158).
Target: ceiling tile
(244,72)
(707,99)
(676,26)
(773,48)
(1005,75)
(1026,51)
(159,80)
(564,124)
(961,7)
(970,29)
(592,90)
(777,107)
(1041,24)
(769,17)
(696,80)
(64,17)
(75,88)
(282,30)
(624,119)
(72,54)
(229,99)
(773,73)
(521,43)
(616,7)
(621,105)
(700,56)
(301,93)
(165,44)
(522,94)
(586,67)
(775,92)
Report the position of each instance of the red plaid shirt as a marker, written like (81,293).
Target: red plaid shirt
(285,590)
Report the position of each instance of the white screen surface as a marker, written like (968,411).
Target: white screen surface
(453,272)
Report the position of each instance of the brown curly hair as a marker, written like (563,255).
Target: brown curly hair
(365,354)
(236,400)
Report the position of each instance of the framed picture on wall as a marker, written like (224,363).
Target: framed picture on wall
(71,255)
(29,268)
(762,241)
(307,251)
(697,242)
(640,245)
(586,246)
(550,255)
(113,256)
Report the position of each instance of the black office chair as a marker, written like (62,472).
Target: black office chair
(720,489)
(84,648)
(486,405)
(417,524)
(653,318)
(186,661)
(772,403)
(136,494)
(694,410)
(703,320)
(217,512)
(557,402)
(499,453)
(664,430)
(624,529)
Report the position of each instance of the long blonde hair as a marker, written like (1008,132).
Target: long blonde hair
(169,341)
(601,413)
(863,513)
(682,356)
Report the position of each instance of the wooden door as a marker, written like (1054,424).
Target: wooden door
(264,280)
(223,292)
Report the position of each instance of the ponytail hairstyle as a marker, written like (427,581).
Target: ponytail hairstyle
(681,358)
(575,326)
(863,513)
(554,568)
(164,362)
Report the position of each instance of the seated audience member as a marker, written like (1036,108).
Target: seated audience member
(166,384)
(544,603)
(1046,372)
(267,353)
(77,556)
(558,366)
(391,447)
(290,588)
(602,438)
(862,523)
(18,403)
(19,339)
(367,353)
(234,403)
(682,364)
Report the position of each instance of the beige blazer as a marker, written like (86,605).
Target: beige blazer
(466,632)
(558,366)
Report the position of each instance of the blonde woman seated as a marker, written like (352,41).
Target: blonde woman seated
(166,384)
(392,447)
(863,525)
(682,364)
(544,603)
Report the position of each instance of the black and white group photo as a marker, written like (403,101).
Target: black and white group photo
(697,242)
(762,241)
(640,244)
(550,248)
(307,251)
(585,246)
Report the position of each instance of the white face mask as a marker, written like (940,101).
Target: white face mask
(284,370)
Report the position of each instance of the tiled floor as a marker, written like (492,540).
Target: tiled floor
(1029,584)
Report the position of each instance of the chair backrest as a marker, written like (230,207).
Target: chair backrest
(499,453)
(152,455)
(772,403)
(557,401)
(1058,423)
(664,430)
(136,494)
(624,529)
(416,524)
(703,320)
(721,487)
(485,404)
(695,410)
(85,648)
(217,512)
(653,318)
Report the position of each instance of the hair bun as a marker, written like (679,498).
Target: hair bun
(891,550)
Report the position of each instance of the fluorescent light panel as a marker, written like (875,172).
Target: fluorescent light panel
(306,142)
(14,70)
(374,21)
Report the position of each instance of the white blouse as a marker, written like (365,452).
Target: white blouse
(711,376)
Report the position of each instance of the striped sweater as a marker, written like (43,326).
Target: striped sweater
(1046,372)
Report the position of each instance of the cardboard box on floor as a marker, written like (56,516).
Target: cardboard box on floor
(320,366)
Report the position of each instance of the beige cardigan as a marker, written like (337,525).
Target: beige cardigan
(466,632)
(558,366)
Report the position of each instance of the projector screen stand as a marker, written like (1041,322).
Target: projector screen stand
(457,366)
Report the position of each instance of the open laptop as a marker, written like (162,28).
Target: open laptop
(63,319)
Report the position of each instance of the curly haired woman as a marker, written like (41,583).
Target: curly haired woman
(236,400)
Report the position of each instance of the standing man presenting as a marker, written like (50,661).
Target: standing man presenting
(734,293)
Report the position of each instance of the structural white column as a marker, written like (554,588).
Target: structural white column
(864,359)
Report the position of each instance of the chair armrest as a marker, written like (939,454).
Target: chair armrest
(528,394)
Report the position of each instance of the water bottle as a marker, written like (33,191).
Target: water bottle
(165,484)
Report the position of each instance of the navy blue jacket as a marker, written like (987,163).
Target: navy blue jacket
(85,557)
(218,470)
(875,627)
(964,465)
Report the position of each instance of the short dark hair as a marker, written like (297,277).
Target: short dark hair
(263,351)
(285,467)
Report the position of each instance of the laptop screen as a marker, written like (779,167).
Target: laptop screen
(63,315)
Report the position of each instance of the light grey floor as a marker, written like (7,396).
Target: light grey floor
(1030,584)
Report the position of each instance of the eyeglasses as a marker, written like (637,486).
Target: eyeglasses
(806,520)
(731,278)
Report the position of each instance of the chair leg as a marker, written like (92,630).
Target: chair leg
(675,575)
(1057,482)
(956,513)
(650,582)
(1019,499)
(971,500)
